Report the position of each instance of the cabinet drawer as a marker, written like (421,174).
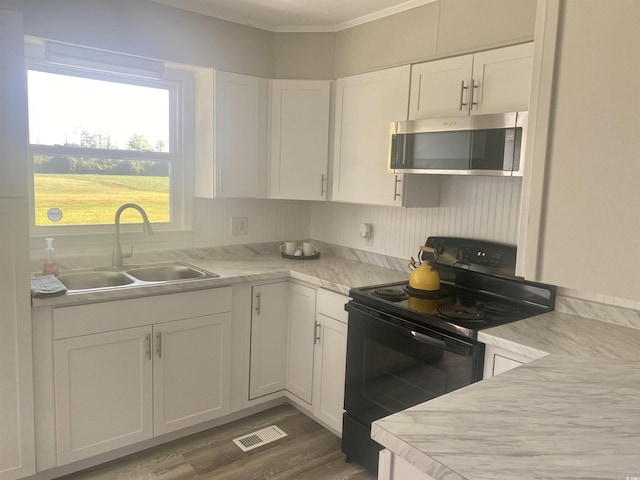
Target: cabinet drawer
(108,316)
(332,304)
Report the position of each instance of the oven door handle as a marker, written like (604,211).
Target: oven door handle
(422,338)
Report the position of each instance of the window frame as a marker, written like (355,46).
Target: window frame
(179,82)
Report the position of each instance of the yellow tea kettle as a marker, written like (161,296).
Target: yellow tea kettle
(424,276)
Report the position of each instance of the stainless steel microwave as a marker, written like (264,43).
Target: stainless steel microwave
(472,145)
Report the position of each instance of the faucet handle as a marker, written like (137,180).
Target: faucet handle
(129,254)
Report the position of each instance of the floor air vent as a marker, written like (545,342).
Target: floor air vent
(259,438)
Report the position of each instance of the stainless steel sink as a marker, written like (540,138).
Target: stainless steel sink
(134,276)
(168,273)
(92,280)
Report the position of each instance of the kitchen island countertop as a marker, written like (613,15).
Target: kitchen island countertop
(574,413)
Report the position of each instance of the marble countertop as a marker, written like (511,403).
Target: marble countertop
(235,265)
(573,413)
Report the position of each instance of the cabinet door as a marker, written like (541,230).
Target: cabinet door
(231,132)
(239,105)
(502,79)
(331,356)
(299,139)
(365,107)
(269,325)
(103,392)
(302,312)
(191,371)
(441,88)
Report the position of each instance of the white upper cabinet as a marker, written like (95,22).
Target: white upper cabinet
(231,135)
(299,139)
(366,105)
(494,81)
(440,88)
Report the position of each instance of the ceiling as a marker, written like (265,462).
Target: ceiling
(297,15)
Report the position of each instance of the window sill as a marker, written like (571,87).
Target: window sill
(102,243)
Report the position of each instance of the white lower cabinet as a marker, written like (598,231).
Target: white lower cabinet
(302,332)
(104,386)
(330,346)
(190,371)
(498,360)
(269,330)
(329,371)
(298,346)
(116,385)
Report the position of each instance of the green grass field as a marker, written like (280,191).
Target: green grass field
(94,199)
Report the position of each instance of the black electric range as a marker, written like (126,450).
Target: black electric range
(479,290)
(407,346)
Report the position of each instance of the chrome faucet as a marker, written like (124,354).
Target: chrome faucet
(117,250)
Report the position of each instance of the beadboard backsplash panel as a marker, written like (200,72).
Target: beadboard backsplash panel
(484,208)
(268,221)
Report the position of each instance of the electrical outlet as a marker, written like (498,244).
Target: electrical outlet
(239,225)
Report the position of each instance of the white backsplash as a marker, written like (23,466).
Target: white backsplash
(268,221)
(477,207)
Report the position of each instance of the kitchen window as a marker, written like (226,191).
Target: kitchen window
(102,134)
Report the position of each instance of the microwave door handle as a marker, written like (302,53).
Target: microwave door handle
(404,151)
(393,161)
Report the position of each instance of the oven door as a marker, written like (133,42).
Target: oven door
(393,365)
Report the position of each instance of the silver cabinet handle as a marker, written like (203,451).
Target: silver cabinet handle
(395,189)
(148,342)
(258,303)
(316,332)
(472,101)
(159,344)
(462,89)
(322,180)
(219,180)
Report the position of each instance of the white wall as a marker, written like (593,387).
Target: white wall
(590,225)
(150,29)
(477,207)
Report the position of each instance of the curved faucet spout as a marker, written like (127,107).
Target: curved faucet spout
(117,250)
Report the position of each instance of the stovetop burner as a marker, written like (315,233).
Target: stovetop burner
(391,294)
(497,308)
(460,313)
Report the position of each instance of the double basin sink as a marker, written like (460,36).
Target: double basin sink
(133,276)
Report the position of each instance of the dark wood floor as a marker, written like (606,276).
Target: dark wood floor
(309,452)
